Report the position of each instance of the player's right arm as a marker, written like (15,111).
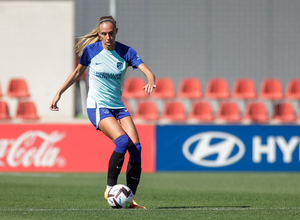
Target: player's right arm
(73,77)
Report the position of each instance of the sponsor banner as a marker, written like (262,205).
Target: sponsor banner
(64,148)
(228,148)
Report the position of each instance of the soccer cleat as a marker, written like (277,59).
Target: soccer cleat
(105,195)
(134,205)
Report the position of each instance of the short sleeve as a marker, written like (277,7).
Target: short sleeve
(85,58)
(135,59)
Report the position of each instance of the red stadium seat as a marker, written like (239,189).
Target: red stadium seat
(133,88)
(190,88)
(284,112)
(4,113)
(26,110)
(293,89)
(201,111)
(228,112)
(217,88)
(271,88)
(17,88)
(174,111)
(146,111)
(256,112)
(164,88)
(244,88)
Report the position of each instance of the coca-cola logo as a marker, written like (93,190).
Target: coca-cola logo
(32,148)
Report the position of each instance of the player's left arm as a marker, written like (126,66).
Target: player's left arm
(150,77)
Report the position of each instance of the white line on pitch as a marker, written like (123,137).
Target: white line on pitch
(200,209)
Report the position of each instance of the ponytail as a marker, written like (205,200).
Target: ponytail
(93,36)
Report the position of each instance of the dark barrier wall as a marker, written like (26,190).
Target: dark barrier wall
(227,148)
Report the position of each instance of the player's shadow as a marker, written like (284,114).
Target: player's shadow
(205,207)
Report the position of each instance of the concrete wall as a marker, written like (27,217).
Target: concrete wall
(36,43)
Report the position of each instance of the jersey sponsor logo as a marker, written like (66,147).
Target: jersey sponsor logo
(213,149)
(104,75)
(119,65)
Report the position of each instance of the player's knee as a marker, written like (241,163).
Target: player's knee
(122,143)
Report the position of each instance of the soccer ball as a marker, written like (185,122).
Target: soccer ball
(120,196)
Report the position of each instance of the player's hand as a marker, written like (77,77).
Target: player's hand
(149,88)
(53,106)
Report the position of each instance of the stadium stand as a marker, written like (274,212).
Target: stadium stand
(201,111)
(271,88)
(4,112)
(244,88)
(174,111)
(164,88)
(217,88)
(26,110)
(17,88)
(293,89)
(147,110)
(190,88)
(133,88)
(256,112)
(284,112)
(228,112)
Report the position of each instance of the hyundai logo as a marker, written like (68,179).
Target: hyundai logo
(203,147)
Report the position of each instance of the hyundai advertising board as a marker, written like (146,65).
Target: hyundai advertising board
(227,148)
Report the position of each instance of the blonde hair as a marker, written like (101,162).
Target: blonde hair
(93,36)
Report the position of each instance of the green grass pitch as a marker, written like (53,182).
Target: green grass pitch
(166,196)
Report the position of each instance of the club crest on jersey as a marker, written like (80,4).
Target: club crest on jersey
(119,65)
(105,111)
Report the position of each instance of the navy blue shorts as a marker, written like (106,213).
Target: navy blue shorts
(97,114)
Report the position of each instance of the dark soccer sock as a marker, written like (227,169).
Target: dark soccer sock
(134,169)
(114,168)
(135,152)
(117,159)
(133,175)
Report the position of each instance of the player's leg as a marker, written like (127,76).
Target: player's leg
(134,149)
(112,129)
(134,169)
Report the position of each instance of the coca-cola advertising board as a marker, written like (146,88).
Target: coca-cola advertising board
(64,148)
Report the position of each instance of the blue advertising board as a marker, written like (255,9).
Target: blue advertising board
(227,148)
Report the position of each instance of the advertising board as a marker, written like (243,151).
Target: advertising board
(228,148)
(64,148)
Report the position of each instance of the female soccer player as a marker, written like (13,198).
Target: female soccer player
(108,60)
